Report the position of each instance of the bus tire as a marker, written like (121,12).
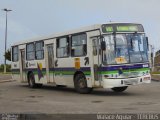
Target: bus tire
(39,85)
(80,84)
(119,89)
(31,81)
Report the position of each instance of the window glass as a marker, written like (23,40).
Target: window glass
(39,50)
(63,47)
(137,48)
(30,47)
(30,51)
(125,48)
(121,49)
(39,46)
(109,53)
(79,45)
(15,54)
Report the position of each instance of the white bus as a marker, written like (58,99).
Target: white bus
(113,55)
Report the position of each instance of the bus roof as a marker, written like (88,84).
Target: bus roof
(74,31)
(83,29)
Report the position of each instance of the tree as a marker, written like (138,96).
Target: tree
(8,55)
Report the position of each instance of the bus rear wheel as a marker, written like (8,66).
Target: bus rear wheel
(80,84)
(31,81)
(119,89)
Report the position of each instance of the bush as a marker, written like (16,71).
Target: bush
(8,68)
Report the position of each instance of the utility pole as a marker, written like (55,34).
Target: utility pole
(6,10)
(152,57)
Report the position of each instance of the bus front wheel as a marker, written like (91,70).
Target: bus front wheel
(119,89)
(81,84)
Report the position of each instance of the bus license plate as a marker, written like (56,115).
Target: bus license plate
(131,82)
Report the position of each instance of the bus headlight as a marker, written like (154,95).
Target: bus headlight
(146,78)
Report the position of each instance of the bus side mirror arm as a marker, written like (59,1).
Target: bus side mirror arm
(147,43)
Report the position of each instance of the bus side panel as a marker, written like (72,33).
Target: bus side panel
(37,67)
(15,71)
(66,67)
(15,66)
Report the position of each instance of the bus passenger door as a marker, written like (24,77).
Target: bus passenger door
(50,63)
(96,53)
(22,65)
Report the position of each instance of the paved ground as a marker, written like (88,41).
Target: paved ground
(18,98)
(156,77)
(5,77)
(45,103)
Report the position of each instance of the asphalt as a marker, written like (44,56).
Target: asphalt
(52,103)
(6,78)
(156,77)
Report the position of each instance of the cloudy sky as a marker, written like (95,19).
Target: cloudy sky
(32,18)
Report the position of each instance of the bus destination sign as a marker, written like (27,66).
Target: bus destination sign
(122,28)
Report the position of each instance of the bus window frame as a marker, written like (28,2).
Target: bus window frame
(78,45)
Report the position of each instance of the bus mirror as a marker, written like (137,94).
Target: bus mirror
(103,45)
(147,43)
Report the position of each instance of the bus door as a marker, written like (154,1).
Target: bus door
(50,62)
(22,65)
(96,61)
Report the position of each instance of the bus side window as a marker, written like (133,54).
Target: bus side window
(79,45)
(39,51)
(15,54)
(63,47)
(30,52)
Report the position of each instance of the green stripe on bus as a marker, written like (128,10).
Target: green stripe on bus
(132,70)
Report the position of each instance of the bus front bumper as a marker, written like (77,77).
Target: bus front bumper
(120,82)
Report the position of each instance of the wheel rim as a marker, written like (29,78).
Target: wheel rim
(82,83)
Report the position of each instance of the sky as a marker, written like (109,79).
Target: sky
(34,18)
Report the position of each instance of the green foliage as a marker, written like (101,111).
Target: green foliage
(8,55)
(8,67)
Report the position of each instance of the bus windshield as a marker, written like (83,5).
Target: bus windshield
(125,48)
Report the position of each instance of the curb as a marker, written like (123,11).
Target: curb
(10,80)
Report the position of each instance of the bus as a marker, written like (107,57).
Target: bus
(113,55)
